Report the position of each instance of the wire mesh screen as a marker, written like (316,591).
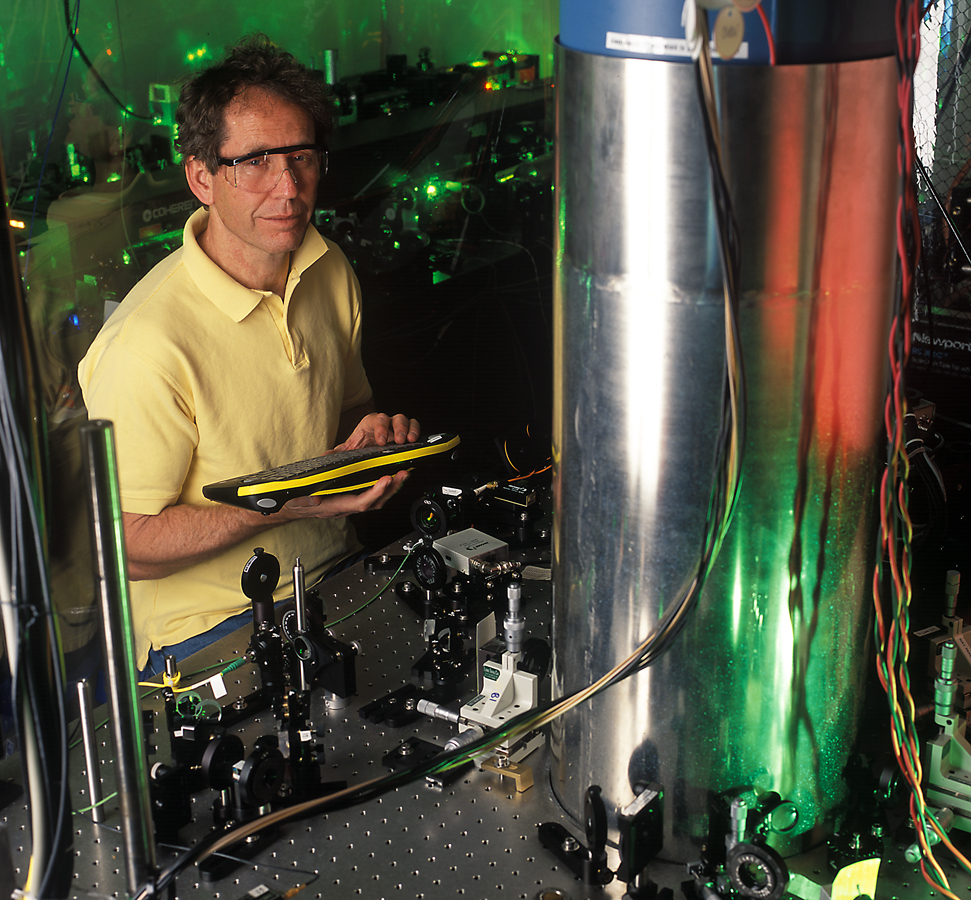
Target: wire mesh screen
(942,132)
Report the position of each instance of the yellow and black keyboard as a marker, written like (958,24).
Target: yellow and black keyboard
(346,471)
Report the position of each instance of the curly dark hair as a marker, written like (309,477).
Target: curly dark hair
(254,62)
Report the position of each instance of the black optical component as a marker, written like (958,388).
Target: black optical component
(429,517)
(439,512)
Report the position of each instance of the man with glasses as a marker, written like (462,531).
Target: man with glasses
(240,352)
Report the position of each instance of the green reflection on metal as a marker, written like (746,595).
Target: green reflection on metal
(118,539)
(783,620)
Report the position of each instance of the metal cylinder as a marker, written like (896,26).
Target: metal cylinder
(762,690)
(514,623)
(92,763)
(951,589)
(98,449)
(328,60)
(300,596)
(438,711)
(945,685)
(469,736)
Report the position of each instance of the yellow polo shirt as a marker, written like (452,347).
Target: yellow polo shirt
(204,380)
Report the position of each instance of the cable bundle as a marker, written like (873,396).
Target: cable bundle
(892,588)
(29,625)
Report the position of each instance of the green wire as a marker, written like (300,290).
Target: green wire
(101,802)
(365,605)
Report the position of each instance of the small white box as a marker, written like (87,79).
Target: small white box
(457,549)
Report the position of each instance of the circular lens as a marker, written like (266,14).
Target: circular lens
(429,518)
(430,569)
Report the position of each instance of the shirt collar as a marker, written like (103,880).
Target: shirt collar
(225,293)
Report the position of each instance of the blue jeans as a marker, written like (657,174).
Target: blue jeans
(156,658)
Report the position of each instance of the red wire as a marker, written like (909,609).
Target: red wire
(892,630)
(768,33)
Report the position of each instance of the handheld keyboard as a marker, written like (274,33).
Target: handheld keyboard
(346,471)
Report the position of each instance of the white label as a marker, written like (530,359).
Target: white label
(658,46)
(218,686)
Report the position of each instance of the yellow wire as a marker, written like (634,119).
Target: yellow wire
(169,681)
(505,450)
(896,682)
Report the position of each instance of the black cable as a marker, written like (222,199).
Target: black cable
(38,674)
(50,137)
(313,875)
(730,258)
(72,34)
(943,210)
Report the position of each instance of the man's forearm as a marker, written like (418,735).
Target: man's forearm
(181,536)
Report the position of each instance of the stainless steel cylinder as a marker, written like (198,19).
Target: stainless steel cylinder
(92,763)
(762,690)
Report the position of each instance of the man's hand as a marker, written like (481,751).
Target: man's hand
(377,429)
